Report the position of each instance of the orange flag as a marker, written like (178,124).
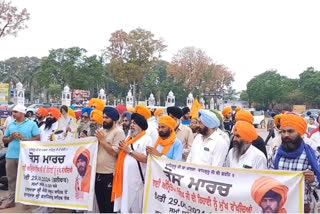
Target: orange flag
(195,109)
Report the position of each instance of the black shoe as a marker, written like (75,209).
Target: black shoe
(4,180)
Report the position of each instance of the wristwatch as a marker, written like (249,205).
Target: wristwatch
(130,152)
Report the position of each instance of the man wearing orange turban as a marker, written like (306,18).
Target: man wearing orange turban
(82,161)
(96,121)
(259,142)
(158,113)
(295,155)
(227,122)
(152,124)
(243,154)
(50,124)
(41,116)
(270,195)
(167,143)
(97,104)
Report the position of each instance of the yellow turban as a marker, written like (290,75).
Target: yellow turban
(244,116)
(246,131)
(263,185)
(97,116)
(295,122)
(97,104)
(131,110)
(238,109)
(71,113)
(226,111)
(143,111)
(168,121)
(158,112)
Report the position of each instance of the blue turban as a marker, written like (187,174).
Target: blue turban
(87,110)
(127,115)
(72,107)
(209,119)
(112,113)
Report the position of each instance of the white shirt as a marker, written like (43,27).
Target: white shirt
(45,134)
(65,122)
(152,130)
(253,158)
(211,151)
(316,139)
(225,137)
(132,193)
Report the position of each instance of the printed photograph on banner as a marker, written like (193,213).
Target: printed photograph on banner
(59,175)
(173,186)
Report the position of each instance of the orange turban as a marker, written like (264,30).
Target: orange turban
(71,113)
(244,116)
(85,184)
(263,185)
(97,116)
(278,118)
(226,111)
(82,150)
(55,113)
(246,131)
(43,112)
(131,110)
(158,112)
(238,109)
(168,121)
(143,111)
(99,104)
(295,122)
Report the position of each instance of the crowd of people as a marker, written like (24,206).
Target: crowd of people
(127,136)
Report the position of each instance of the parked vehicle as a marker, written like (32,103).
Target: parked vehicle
(259,117)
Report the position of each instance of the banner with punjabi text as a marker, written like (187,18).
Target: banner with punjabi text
(58,174)
(178,187)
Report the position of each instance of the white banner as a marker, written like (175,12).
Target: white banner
(57,174)
(175,187)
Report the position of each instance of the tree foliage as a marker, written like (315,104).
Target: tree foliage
(12,20)
(196,71)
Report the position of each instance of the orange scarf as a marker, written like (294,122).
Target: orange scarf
(118,175)
(167,143)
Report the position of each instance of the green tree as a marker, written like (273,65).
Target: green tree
(309,84)
(131,55)
(267,89)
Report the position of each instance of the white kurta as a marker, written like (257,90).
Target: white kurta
(132,195)
(45,134)
(152,130)
(70,122)
(253,158)
(316,139)
(225,136)
(211,151)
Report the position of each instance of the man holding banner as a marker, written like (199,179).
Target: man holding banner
(167,144)
(295,155)
(244,154)
(209,147)
(128,182)
(21,129)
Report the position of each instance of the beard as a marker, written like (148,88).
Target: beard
(204,131)
(107,125)
(268,209)
(126,129)
(49,122)
(289,145)
(93,128)
(239,148)
(164,134)
(82,170)
(134,133)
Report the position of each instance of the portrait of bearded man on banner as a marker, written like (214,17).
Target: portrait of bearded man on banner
(81,160)
(270,195)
